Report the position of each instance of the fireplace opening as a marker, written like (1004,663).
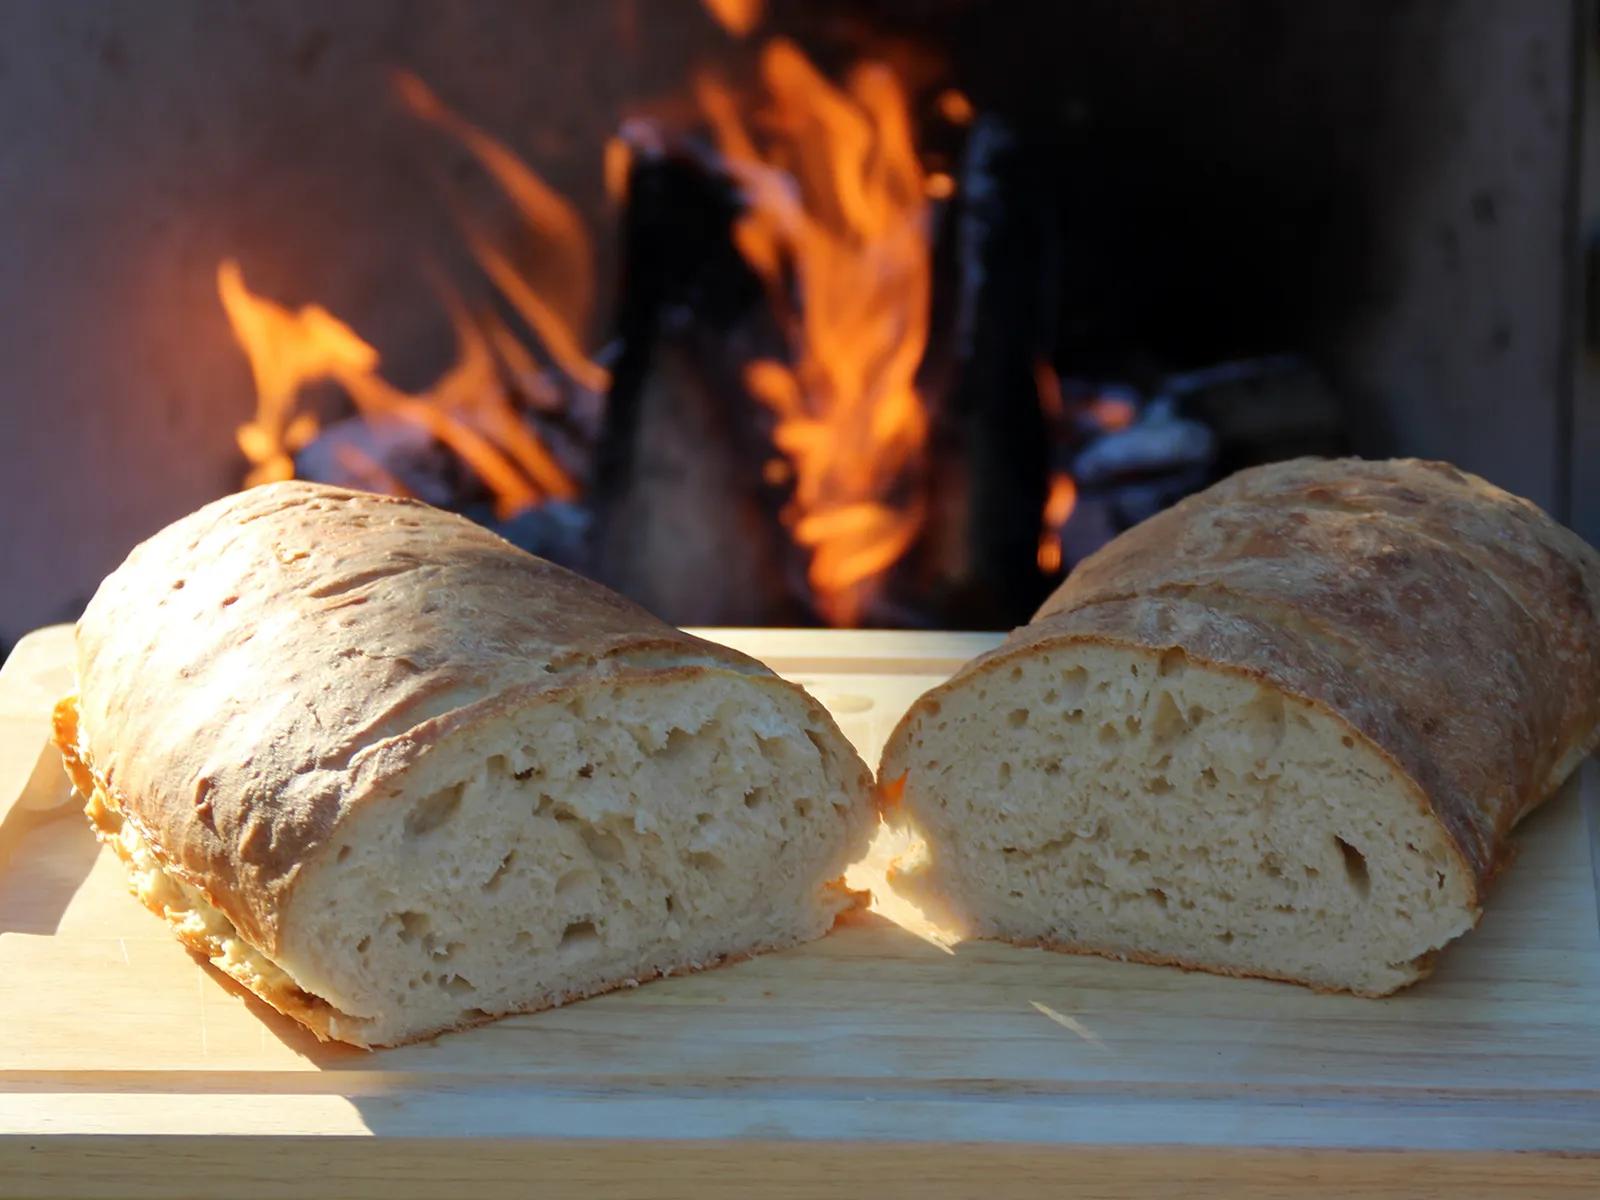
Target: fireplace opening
(853,313)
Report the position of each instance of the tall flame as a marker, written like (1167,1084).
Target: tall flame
(1058,506)
(837,225)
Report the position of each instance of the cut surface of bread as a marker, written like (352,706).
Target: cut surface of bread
(396,777)
(1283,728)
(1140,805)
(605,839)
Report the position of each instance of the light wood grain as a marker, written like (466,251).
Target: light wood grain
(861,1063)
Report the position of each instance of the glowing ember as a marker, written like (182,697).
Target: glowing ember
(738,17)
(955,107)
(1058,506)
(836,225)
(616,164)
(1048,384)
(1112,413)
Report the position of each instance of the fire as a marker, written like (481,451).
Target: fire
(1058,506)
(837,226)
(955,107)
(738,17)
(476,407)
(616,161)
(468,409)
(1112,413)
(286,351)
(1048,384)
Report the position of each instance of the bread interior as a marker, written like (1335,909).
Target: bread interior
(1136,804)
(606,837)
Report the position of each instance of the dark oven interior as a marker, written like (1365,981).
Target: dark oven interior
(874,313)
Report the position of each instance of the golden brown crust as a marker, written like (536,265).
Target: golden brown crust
(205,934)
(260,667)
(1452,626)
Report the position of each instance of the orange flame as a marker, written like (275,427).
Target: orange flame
(738,17)
(1111,413)
(1048,384)
(617,161)
(473,408)
(955,107)
(468,409)
(837,205)
(1058,506)
(286,350)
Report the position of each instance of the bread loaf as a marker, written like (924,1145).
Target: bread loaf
(1282,729)
(396,776)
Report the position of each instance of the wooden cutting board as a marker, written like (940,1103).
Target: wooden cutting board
(877,1060)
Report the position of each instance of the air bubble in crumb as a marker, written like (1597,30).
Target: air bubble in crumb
(1355,867)
(413,926)
(434,811)
(579,936)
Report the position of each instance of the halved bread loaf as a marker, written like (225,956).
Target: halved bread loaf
(1282,729)
(396,776)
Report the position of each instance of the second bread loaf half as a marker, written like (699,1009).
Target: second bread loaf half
(396,776)
(1282,729)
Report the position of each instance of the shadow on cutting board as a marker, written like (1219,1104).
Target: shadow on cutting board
(44,858)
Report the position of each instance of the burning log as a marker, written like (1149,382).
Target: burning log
(774,316)
(503,435)
(387,455)
(1125,474)
(685,521)
(773,440)
(989,450)
(1129,458)
(836,225)
(1262,410)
